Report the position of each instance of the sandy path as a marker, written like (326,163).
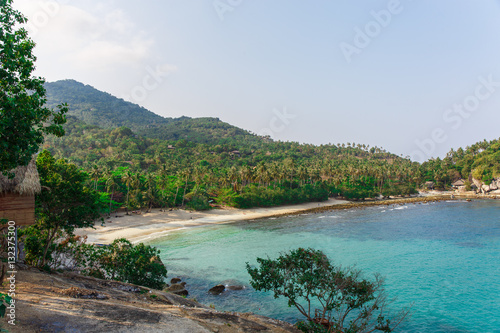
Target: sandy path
(143,227)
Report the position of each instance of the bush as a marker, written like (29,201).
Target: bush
(333,299)
(122,261)
(198,202)
(253,196)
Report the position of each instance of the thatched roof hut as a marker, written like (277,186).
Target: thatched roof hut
(17,195)
(458,183)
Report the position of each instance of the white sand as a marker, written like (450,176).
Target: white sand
(146,226)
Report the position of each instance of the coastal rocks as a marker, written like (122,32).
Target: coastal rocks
(178,288)
(217,290)
(477,182)
(45,303)
(227,285)
(487,189)
(76,292)
(175,280)
(232,284)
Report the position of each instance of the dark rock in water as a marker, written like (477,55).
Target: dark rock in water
(178,289)
(217,290)
(175,280)
(232,284)
(175,287)
(238,287)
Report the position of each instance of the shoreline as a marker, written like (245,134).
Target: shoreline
(147,226)
(157,224)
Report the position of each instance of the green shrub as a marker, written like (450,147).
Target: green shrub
(337,298)
(198,202)
(138,264)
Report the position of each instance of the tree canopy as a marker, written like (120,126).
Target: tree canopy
(332,298)
(23,118)
(64,204)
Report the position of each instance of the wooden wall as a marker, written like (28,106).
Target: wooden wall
(20,209)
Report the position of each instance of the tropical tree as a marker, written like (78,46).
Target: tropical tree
(110,186)
(95,173)
(64,204)
(23,118)
(333,299)
(185,174)
(128,179)
(150,192)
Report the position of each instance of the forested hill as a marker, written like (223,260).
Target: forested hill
(101,109)
(480,161)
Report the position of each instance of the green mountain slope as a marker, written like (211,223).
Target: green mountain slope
(101,109)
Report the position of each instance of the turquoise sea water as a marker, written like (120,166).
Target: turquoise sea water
(444,258)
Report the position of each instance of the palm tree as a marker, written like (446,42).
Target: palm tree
(186,173)
(261,172)
(150,190)
(94,175)
(163,183)
(110,186)
(128,179)
(178,183)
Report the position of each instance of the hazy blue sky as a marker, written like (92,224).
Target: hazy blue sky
(415,77)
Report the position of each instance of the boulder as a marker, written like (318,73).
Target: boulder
(175,280)
(217,290)
(177,289)
(485,188)
(477,182)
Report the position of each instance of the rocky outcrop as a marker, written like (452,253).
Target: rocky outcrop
(487,189)
(178,289)
(217,290)
(74,303)
(478,183)
(232,285)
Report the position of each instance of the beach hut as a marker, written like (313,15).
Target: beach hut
(458,183)
(17,195)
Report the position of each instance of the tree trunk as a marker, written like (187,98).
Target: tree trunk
(184,195)
(175,198)
(49,240)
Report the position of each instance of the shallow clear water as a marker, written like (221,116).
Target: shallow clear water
(442,257)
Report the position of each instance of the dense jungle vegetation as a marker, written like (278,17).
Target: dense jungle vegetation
(214,163)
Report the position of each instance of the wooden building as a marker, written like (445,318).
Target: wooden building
(17,195)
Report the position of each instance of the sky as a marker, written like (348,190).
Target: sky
(417,78)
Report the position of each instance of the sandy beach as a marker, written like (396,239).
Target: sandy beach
(157,223)
(147,226)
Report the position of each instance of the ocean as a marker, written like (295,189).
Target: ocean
(441,258)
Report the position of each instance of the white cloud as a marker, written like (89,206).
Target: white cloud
(78,39)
